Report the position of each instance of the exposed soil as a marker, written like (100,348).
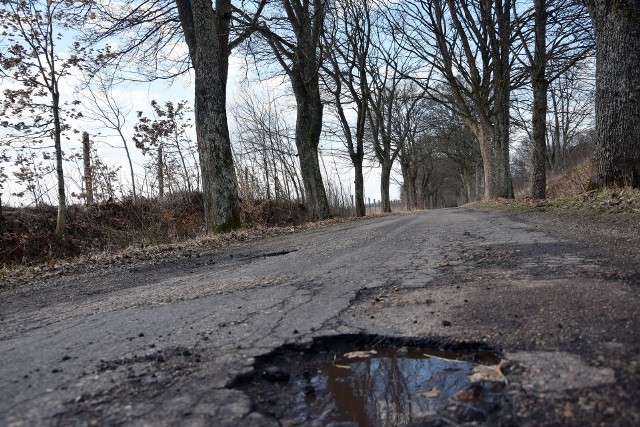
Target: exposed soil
(615,233)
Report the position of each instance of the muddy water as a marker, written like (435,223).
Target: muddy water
(392,387)
(381,386)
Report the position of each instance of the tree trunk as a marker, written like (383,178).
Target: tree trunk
(404,169)
(539,143)
(494,150)
(88,172)
(479,174)
(183,161)
(408,177)
(160,172)
(357,158)
(539,113)
(502,85)
(265,164)
(413,190)
(465,195)
(385,178)
(1,218)
(207,35)
(558,150)
(62,198)
(356,151)
(361,209)
(308,130)
(617,155)
(133,176)
(493,127)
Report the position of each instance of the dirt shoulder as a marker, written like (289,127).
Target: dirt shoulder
(614,230)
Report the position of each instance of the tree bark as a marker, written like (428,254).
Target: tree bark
(385,178)
(502,89)
(308,130)
(557,145)
(404,169)
(62,198)
(617,155)
(495,159)
(299,56)
(88,172)
(207,35)
(361,209)
(539,113)
(539,143)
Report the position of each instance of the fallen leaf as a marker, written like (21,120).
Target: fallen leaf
(360,354)
(429,394)
(489,374)
(343,366)
(469,394)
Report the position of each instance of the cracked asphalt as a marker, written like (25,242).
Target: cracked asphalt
(158,342)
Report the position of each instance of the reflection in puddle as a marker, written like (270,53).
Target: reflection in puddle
(347,381)
(391,387)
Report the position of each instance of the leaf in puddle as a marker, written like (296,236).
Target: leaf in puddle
(360,354)
(469,394)
(343,366)
(488,374)
(429,394)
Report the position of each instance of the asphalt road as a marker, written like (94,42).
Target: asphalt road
(157,342)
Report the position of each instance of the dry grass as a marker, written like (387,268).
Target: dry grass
(570,191)
(121,232)
(28,239)
(574,181)
(21,274)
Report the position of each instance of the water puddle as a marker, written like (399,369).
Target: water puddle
(390,384)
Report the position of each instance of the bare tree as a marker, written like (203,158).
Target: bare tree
(101,106)
(464,47)
(561,35)
(617,28)
(439,158)
(265,145)
(167,132)
(459,145)
(295,38)
(393,101)
(30,59)
(211,29)
(88,170)
(348,48)
(207,31)
(570,113)
(410,125)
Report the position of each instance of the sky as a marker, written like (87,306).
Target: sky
(137,96)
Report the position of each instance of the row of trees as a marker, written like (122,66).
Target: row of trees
(429,83)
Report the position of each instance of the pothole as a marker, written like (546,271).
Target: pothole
(379,381)
(279,253)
